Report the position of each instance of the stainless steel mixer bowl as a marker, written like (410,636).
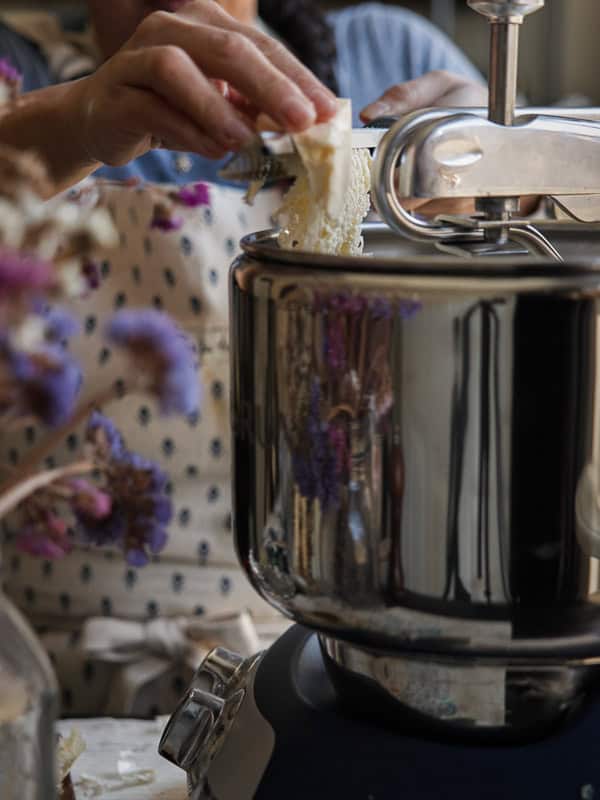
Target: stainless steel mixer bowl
(416,445)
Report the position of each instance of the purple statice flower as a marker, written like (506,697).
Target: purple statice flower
(60,324)
(88,501)
(164,219)
(154,543)
(46,382)
(166,224)
(407,309)
(164,353)
(8,72)
(138,490)
(335,342)
(91,274)
(105,436)
(346,303)
(111,530)
(20,273)
(381,308)
(10,81)
(315,465)
(197,194)
(133,509)
(46,538)
(338,440)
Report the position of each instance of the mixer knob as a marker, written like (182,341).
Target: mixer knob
(191,727)
(210,704)
(218,671)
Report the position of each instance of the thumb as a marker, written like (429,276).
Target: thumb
(402,98)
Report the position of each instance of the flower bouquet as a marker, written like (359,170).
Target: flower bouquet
(105,494)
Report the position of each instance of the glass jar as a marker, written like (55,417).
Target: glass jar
(28,707)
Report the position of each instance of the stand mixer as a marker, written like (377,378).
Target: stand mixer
(417,480)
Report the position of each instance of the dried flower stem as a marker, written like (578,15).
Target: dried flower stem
(38,454)
(16,492)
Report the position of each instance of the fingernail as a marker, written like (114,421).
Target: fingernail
(376,110)
(237,134)
(326,100)
(298,113)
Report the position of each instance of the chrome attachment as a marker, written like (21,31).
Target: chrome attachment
(458,153)
(201,723)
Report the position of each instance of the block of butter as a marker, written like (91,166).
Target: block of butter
(326,154)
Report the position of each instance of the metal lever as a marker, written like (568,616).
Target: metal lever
(443,154)
(464,155)
(506,17)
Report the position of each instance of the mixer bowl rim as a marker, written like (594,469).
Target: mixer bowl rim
(263,246)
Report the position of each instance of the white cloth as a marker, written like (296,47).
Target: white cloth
(148,650)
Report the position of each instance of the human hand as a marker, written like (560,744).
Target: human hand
(433,89)
(194,81)
(437,88)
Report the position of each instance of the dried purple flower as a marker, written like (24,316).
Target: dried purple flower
(46,382)
(166,224)
(335,342)
(111,530)
(140,509)
(164,219)
(47,538)
(91,274)
(20,272)
(88,501)
(381,308)
(10,81)
(338,439)
(164,353)
(346,303)
(407,309)
(60,324)
(104,435)
(315,465)
(140,498)
(8,72)
(197,194)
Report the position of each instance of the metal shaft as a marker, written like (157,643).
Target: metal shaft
(504,66)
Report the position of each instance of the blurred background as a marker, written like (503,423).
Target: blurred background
(560,54)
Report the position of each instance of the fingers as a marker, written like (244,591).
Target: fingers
(322,98)
(171,74)
(426,91)
(260,69)
(431,208)
(159,121)
(137,120)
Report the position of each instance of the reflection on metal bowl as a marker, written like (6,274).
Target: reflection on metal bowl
(416,446)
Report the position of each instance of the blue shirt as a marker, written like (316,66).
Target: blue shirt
(377,46)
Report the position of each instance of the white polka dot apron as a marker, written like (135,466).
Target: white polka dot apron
(185,273)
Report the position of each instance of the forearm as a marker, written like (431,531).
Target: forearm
(48,122)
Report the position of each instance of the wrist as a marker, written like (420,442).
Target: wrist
(74,124)
(48,122)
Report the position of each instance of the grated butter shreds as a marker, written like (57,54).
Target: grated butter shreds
(324,209)
(306,223)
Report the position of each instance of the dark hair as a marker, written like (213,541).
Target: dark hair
(303,26)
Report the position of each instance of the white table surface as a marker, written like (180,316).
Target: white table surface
(130,745)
